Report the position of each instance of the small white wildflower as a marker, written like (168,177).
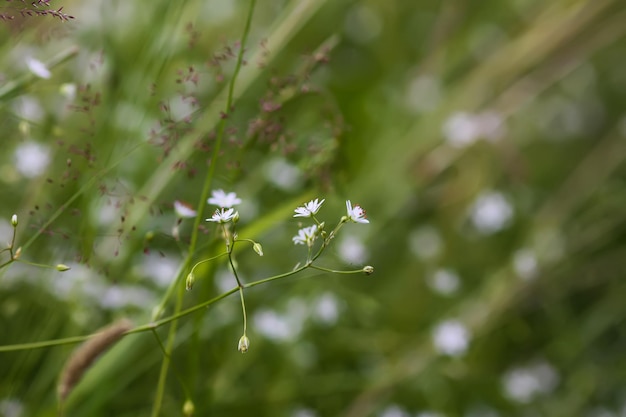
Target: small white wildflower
(223,199)
(38,68)
(305,235)
(183,210)
(309,209)
(223,215)
(356,213)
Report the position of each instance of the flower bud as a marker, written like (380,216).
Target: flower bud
(62,268)
(14,220)
(191,279)
(258,248)
(188,408)
(235,217)
(244,344)
(368,270)
(18,252)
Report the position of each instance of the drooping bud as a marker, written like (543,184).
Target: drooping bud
(62,268)
(188,408)
(244,344)
(368,270)
(258,248)
(191,279)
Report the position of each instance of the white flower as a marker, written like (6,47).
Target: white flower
(451,337)
(223,216)
(356,213)
(183,210)
(309,209)
(38,68)
(222,199)
(305,235)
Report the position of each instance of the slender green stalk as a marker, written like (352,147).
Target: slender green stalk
(174,317)
(203,197)
(243,307)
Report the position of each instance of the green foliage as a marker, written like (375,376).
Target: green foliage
(485,140)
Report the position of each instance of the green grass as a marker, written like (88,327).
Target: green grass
(373,102)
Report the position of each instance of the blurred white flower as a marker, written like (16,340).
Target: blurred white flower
(38,68)
(451,337)
(352,250)
(183,210)
(524,383)
(423,94)
(223,200)
(11,407)
(425,242)
(491,212)
(463,128)
(283,174)
(303,412)
(326,308)
(445,282)
(68,90)
(394,411)
(525,264)
(117,297)
(279,327)
(362,24)
(31,159)
(309,209)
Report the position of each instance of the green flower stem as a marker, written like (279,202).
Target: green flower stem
(275,277)
(354,271)
(243,307)
(176,372)
(201,203)
(158,323)
(35,264)
(10,261)
(232,265)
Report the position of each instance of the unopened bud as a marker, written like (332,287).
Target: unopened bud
(188,408)
(17,253)
(368,270)
(149,236)
(258,248)
(191,279)
(14,220)
(62,268)
(244,344)
(235,217)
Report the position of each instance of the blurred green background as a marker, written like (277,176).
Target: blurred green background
(485,140)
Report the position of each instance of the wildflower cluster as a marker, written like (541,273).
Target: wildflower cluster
(308,235)
(226,216)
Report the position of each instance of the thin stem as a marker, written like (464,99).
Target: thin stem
(275,277)
(203,197)
(35,264)
(320,268)
(232,266)
(243,307)
(158,323)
